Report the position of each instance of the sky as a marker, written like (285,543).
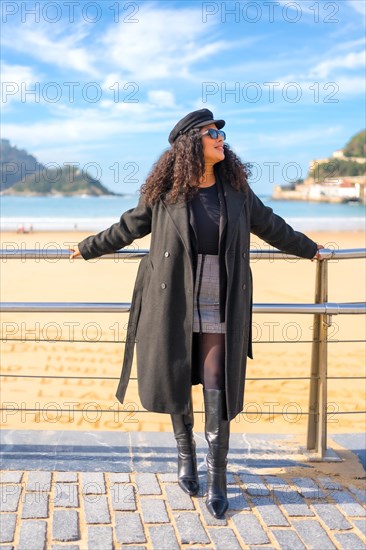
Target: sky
(101,84)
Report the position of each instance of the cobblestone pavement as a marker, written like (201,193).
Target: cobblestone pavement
(276,499)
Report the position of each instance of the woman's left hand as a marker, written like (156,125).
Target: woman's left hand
(317,255)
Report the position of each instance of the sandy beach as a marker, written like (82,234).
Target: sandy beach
(85,370)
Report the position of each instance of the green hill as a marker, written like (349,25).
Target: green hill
(338,167)
(22,174)
(356,147)
(14,163)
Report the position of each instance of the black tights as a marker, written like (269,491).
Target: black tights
(209,359)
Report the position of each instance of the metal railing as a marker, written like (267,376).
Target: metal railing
(321,309)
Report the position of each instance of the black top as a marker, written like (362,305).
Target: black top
(205,207)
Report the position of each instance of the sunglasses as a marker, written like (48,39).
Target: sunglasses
(214,134)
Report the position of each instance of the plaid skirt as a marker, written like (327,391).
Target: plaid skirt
(206,310)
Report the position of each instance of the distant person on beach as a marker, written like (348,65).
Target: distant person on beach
(21,229)
(191,307)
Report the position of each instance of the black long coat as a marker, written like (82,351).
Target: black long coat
(161,315)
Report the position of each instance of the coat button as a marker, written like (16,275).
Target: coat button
(244,255)
(167,254)
(244,286)
(163,285)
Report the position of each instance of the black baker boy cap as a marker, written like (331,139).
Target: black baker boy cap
(196,119)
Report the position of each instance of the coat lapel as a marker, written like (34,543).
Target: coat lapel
(179,213)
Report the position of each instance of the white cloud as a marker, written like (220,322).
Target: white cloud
(12,79)
(351,85)
(299,137)
(75,125)
(351,60)
(50,44)
(162,98)
(165,43)
(358,5)
(348,44)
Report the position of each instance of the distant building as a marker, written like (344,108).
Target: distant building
(340,155)
(332,189)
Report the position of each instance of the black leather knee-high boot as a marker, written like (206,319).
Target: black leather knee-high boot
(187,462)
(217,432)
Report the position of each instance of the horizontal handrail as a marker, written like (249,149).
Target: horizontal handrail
(68,376)
(110,307)
(129,254)
(99,410)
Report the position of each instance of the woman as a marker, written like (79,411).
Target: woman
(191,306)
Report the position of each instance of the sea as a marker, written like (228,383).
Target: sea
(86,213)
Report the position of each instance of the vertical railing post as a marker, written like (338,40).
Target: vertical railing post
(317,420)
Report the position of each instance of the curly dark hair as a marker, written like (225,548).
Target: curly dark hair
(175,175)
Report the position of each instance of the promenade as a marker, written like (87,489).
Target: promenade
(102,490)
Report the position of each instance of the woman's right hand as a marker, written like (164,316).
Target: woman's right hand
(75,252)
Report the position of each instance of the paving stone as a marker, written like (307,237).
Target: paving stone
(154,510)
(65,525)
(168,477)
(119,478)
(359,494)
(250,529)
(147,484)
(92,483)
(123,497)
(66,495)
(236,498)
(329,484)
(230,478)
(292,502)
(361,525)
(163,537)
(254,485)
(39,481)
(11,477)
(66,477)
(7,548)
(63,547)
(190,528)
(100,538)
(348,505)
(177,498)
(7,527)
(331,516)
(307,487)
(35,505)
(224,538)
(349,541)
(129,528)
(32,535)
(9,497)
(313,534)
(274,481)
(208,518)
(96,511)
(269,511)
(287,539)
